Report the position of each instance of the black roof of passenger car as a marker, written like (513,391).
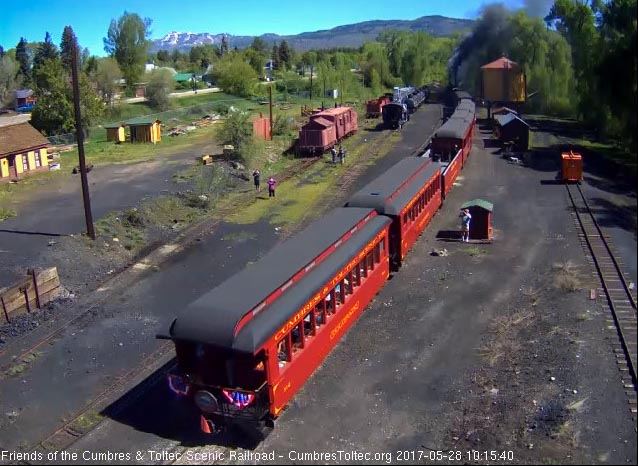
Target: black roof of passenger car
(241,293)
(453,128)
(264,325)
(402,181)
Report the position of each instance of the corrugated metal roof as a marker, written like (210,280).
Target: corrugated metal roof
(114,125)
(504,120)
(478,203)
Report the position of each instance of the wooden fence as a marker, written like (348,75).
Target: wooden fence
(32,292)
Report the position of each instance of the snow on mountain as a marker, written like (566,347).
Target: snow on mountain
(186,40)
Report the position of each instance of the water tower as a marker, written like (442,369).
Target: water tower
(503,82)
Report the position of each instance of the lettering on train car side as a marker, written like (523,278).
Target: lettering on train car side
(295,319)
(344,320)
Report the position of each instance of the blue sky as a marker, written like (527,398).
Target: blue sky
(90,19)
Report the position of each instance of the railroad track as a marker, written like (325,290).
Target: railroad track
(139,380)
(619,298)
(145,376)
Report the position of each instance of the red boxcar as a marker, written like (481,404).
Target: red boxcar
(374,107)
(327,128)
(410,194)
(247,346)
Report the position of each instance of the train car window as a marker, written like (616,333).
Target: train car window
(356,275)
(341,293)
(405,219)
(283,350)
(382,245)
(320,313)
(349,282)
(377,253)
(363,268)
(297,337)
(330,302)
(310,324)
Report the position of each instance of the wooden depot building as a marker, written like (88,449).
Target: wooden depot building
(22,149)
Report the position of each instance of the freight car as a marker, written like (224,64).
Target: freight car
(246,347)
(326,128)
(375,106)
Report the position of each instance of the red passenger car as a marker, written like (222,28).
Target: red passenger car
(247,346)
(456,133)
(410,194)
(325,129)
(450,171)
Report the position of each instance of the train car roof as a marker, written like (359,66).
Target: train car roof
(215,315)
(319,121)
(454,128)
(335,111)
(463,95)
(390,192)
(467,105)
(263,326)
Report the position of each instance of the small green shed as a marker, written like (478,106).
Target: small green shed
(481,224)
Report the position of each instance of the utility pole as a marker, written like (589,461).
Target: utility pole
(324,92)
(311,71)
(342,91)
(80,137)
(270,105)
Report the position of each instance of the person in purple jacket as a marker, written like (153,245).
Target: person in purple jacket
(271,187)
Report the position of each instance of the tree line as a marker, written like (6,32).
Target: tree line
(580,60)
(571,58)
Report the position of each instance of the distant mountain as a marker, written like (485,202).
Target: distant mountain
(351,35)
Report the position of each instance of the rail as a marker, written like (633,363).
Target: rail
(620,299)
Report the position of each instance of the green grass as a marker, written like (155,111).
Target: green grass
(6,213)
(100,152)
(86,421)
(476,251)
(20,366)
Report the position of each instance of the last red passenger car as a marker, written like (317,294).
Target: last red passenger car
(247,346)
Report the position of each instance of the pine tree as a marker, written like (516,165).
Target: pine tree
(66,47)
(22,57)
(283,53)
(46,51)
(275,57)
(224,45)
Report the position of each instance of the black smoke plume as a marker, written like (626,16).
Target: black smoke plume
(491,31)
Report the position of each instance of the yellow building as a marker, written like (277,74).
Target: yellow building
(22,150)
(503,81)
(145,130)
(116,132)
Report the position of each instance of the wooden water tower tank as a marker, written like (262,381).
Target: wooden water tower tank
(503,81)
